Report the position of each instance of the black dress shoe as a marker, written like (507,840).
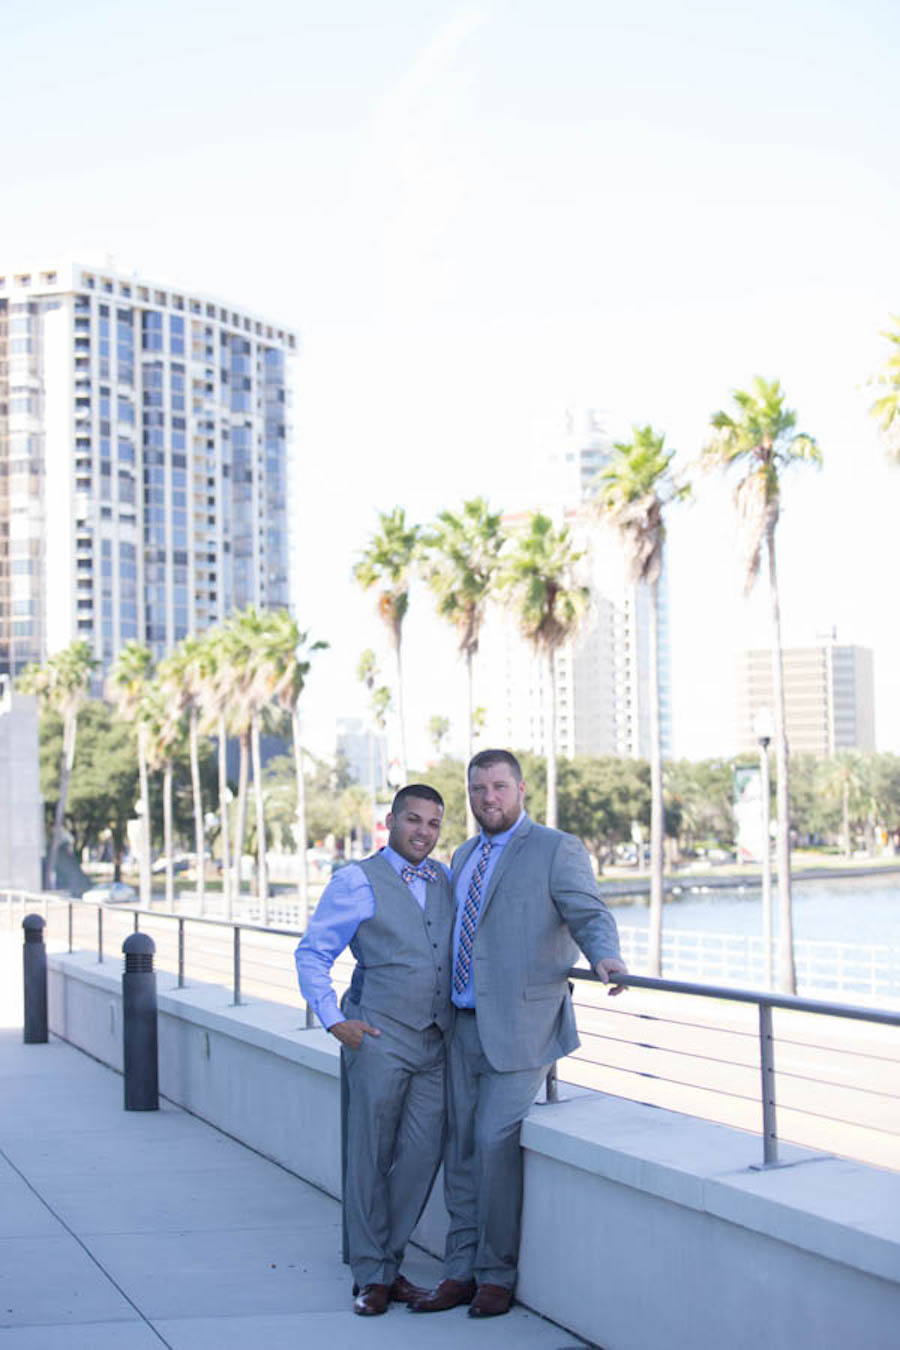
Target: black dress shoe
(372,1300)
(449,1294)
(492,1300)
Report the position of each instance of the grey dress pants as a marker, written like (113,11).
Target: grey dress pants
(483,1159)
(394,1139)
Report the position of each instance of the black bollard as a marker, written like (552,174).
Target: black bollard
(140,1058)
(34,968)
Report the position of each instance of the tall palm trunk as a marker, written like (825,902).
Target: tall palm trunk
(240,825)
(404,766)
(846,804)
(70,732)
(470,741)
(223,817)
(302,872)
(262,870)
(199,833)
(657,805)
(787,980)
(145,877)
(551,742)
(167,834)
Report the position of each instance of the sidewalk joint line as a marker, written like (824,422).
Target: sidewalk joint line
(72,1234)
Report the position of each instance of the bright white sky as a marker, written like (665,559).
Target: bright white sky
(479,216)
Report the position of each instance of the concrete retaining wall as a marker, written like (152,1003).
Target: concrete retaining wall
(641,1228)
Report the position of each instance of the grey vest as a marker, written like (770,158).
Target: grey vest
(403,955)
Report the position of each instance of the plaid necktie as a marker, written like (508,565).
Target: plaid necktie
(470,921)
(425,870)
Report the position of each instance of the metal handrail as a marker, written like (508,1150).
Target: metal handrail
(764,1001)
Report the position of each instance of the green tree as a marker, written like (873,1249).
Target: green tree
(760,440)
(539,575)
(633,492)
(61,684)
(386,565)
(104,781)
(886,408)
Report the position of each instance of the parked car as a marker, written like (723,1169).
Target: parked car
(112,893)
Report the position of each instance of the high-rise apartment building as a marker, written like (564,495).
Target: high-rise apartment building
(602,675)
(144,436)
(829,700)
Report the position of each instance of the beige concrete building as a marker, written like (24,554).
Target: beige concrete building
(828,693)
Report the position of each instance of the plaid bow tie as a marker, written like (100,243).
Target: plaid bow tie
(425,870)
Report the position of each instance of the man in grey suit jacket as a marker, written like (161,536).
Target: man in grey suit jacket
(395,912)
(526,901)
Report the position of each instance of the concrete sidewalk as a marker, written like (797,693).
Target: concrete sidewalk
(135,1230)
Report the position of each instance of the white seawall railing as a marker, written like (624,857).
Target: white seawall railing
(642,1228)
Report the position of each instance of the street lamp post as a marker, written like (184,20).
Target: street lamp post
(763,727)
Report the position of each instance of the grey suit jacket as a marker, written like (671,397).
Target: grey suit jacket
(540,902)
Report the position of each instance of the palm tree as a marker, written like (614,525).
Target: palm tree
(368,673)
(539,576)
(286,653)
(161,718)
(126,686)
(760,438)
(386,564)
(632,492)
(62,685)
(886,408)
(214,696)
(183,675)
(244,681)
(462,564)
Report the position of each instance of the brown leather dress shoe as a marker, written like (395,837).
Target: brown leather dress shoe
(372,1300)
(492,1300)
(449,1294)
(404,1292)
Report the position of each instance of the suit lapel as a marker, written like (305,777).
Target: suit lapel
(463,854)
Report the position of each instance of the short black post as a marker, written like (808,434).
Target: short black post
(140,1057)
(34,965)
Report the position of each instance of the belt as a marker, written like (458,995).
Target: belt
(470,1011)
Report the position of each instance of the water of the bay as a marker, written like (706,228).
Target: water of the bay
(849,909)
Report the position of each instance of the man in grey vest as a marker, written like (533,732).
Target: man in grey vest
(395,912)
(525,896)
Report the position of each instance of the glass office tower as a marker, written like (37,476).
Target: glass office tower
(144,444)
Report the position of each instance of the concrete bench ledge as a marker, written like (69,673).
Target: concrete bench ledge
(832,1207)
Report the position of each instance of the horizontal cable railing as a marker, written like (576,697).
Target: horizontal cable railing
(702,1049)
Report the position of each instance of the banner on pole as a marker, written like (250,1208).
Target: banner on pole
(748,826)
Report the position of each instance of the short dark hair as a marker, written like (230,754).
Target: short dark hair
(485,758)
(430,794)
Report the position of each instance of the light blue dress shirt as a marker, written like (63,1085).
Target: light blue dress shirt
(498,842)
(347,901)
